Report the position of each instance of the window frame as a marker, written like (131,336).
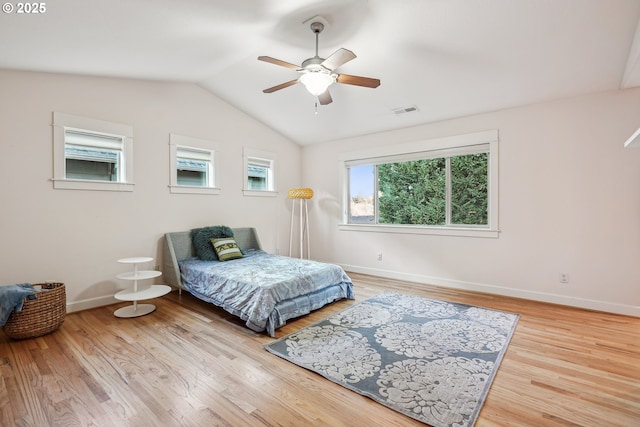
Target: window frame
(63,122)
(262,157)
(210,148)
(432,148)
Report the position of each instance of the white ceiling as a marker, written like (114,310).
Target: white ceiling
(449,58)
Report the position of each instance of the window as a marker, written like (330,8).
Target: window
(258,174)
(91,154)
(445,186)
(193,165)
(259,170)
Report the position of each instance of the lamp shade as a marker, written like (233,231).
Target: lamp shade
(316,82)
(300,193)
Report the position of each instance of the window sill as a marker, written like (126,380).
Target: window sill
(185,189)
(259,193)
(409,229)
(76,184)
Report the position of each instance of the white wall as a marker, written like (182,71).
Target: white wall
(569,202)
(569,194)
(76,236)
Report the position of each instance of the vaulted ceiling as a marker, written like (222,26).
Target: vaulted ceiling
(446,58)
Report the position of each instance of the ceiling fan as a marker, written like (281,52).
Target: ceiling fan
(318,73)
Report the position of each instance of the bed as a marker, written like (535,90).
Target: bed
(262,289)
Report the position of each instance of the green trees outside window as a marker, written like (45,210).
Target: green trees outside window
(440,191)
(412,192)
(470,189)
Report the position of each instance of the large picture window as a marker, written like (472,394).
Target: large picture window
(446,186)
(92,154)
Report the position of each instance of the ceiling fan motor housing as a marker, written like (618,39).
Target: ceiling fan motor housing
(313,63)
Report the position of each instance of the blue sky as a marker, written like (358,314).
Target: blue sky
(361,181)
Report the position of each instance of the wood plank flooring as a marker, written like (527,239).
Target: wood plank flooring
(191,364)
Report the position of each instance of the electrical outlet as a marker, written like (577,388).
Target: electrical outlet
(564,278)
(379,256)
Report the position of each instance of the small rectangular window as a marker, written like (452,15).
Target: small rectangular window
(193,165)
(259,173)
(91,154)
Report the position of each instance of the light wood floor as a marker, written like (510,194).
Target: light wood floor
(191,364)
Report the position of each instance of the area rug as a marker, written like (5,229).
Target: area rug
(431,360)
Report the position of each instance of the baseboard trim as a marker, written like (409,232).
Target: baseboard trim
(90,303)
(609,307)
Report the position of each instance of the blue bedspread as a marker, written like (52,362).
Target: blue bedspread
(251,287)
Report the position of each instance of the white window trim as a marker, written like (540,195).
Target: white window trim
(408,150)
(180,141)
(68,121)
(259,154)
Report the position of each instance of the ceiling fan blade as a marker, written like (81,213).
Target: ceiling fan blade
(280,86)
(337,58)
(325,98)
(278,62)
(358,81)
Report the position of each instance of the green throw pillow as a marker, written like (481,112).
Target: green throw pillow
(226,248)
(201,238)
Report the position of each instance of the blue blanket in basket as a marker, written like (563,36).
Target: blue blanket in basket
(12,298)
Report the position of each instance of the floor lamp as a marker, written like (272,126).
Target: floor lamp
(301,195)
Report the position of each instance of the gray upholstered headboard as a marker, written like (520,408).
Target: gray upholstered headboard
(178,246)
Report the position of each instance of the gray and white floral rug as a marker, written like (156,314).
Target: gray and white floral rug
(431,360)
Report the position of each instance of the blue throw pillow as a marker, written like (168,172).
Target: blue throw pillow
(201,238)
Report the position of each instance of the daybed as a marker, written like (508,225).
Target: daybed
(263,289)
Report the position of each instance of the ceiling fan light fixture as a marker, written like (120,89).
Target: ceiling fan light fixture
(317,74)
(317,82)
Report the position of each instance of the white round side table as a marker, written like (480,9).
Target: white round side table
(136,295)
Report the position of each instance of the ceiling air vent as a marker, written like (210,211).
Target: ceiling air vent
(405,110)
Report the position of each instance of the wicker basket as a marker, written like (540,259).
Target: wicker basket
(39,316)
